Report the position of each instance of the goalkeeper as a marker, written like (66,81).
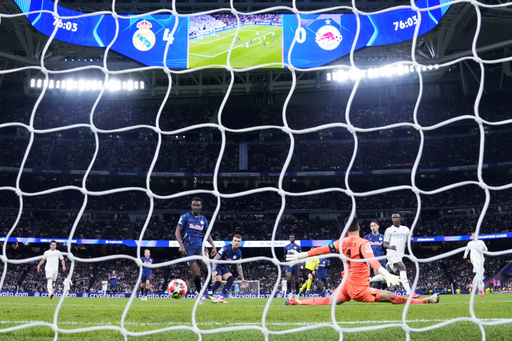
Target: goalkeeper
(356,286)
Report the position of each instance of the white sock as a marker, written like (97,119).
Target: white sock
(49,285)
(405,281)
(378,278)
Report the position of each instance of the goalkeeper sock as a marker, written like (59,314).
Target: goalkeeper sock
(49,285)
(405,281)
(215,286)
(309,284)
(315,301)
(402,300)
(229,284)
(378,278)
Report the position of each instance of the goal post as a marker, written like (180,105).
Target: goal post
(253,289)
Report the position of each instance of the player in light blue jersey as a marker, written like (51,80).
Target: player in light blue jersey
(376,240)
(292,272)
(146,275)
(220,271)
(189,234)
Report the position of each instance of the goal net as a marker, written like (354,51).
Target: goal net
(309,116)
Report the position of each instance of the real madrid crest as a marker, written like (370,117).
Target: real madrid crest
(144,39)
(328,37)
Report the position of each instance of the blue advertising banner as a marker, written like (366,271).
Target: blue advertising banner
(245,243)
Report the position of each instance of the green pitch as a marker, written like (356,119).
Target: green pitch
(248,50)
(175,317)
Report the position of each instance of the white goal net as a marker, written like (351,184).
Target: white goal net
(384,96)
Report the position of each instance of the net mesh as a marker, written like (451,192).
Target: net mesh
(352,126)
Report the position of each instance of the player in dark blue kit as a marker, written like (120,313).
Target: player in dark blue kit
(220,271)
(113,282)
(292,272)
(376,240)
(146,275)
(189,234)
(321,273)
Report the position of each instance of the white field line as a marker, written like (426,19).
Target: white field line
(227,324)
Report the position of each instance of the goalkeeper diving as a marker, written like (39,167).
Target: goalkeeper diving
(356,286)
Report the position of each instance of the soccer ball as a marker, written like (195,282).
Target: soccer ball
(177,288)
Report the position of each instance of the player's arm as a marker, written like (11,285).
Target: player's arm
(40,264)
(214,265)
(331,248)
(365,249)
(214,249)
(466,252)
(179,238)
(63,262)
(484,248)
(241,274)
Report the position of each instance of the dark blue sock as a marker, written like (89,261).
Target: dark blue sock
(229,283)
(215,286)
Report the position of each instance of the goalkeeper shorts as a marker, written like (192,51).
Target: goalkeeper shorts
(358,293)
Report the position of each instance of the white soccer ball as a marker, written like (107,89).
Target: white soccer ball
(177,288)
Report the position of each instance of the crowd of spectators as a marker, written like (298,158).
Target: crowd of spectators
(198,150)
(444,275)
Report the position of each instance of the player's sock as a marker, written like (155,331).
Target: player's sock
(405,281)
(308,283)
(403,299)
(229,284)
(49,286)
(297,286)
(215,286)
(289,285)
(303,287)
(197,283)
(378,278)
(315,301)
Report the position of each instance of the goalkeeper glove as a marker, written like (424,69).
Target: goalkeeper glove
(296,255)
(389,278)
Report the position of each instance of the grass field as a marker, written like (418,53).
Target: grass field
(212,50)
(170,314)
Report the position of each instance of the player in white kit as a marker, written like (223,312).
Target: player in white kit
(477,247)
(395,239)
(52,257)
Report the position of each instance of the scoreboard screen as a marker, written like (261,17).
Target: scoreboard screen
(276,40)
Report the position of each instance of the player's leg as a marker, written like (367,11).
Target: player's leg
(142,287)
(339,297)
(228,277)
(403,275)
(296,277)
(387,296)
(309,281)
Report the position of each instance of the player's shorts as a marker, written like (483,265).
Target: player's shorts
(359,293)
(477,267)
(305,273)
(53,274)
(222,270)
(145,278)
(394,258)
(321,276)
(193,250)
(293,269)
(112,285)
